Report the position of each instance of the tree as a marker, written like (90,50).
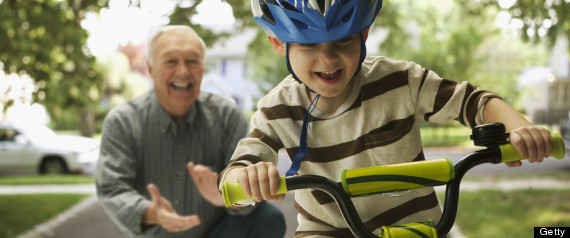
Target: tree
(540,19)
(45,40)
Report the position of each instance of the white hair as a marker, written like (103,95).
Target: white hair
(164,29)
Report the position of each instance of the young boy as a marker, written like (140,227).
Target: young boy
(360,111)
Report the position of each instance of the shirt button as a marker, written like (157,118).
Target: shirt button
(177,202)
(178,173)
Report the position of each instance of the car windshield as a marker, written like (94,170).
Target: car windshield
(39,134)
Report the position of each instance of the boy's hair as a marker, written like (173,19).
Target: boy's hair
(314,21)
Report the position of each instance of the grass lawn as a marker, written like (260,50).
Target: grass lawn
(493,213)
(46,179)
(446,136)
(556,175)
(21,213)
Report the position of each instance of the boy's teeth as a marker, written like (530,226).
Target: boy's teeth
(329,75)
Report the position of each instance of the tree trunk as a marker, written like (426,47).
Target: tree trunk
(87,122)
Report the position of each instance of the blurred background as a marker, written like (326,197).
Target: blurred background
(65,63)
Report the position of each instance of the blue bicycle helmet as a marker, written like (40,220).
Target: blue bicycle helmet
(314,21)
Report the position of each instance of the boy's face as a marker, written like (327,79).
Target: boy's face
(326,68)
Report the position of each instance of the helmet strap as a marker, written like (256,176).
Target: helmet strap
(362,54)
(289,64)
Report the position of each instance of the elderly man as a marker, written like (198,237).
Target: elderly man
(150,142)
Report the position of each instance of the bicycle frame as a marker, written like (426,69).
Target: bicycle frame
(411,175)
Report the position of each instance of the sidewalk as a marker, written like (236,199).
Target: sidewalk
(31,189)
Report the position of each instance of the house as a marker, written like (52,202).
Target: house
(547,89)
(226,70)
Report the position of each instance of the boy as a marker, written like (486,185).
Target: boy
(359,112)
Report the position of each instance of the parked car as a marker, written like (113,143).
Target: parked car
(36,148)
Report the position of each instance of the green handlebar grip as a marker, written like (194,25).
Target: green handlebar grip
(417,229)
(509,153)
(233,192)
(393,177)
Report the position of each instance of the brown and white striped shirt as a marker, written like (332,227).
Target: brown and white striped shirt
(378,124)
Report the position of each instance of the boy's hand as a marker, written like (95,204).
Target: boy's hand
(206,181)
(532,143)
(160,212)
(260,181)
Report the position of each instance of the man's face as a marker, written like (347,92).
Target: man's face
(177,71)
(326,68)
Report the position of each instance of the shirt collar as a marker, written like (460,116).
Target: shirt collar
(164,120)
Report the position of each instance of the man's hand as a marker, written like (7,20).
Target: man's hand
(160,212)
(207,182)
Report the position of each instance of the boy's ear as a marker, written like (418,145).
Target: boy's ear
(278,45)
(365,33)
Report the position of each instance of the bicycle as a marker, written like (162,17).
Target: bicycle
(404,176)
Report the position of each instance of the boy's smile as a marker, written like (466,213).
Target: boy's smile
(329,77)
(326,68)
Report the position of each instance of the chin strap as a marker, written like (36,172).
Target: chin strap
(296,164)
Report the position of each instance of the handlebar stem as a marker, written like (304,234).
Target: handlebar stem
(490,155)
(337,193)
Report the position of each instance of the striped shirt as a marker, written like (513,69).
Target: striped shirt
(141,144)
(378,124)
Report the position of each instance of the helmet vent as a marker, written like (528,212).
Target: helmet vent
(267,15)
(300,25)
(347,16)
(288,6)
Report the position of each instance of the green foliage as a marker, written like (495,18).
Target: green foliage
(441,36)
(458,40)
(45,39)
(266,66)
(552,17)
(21,213)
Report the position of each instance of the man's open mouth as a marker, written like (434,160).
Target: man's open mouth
(181,86)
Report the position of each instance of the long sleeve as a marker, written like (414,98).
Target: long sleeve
(116,176)
(441,100)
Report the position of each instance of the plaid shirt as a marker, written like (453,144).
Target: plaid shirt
(140,144)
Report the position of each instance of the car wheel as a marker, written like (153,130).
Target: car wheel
(53,166)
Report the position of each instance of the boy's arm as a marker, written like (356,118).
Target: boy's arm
(531,142)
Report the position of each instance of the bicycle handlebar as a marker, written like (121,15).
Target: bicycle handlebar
(403,176)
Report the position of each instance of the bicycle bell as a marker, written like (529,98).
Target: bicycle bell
(492,134)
